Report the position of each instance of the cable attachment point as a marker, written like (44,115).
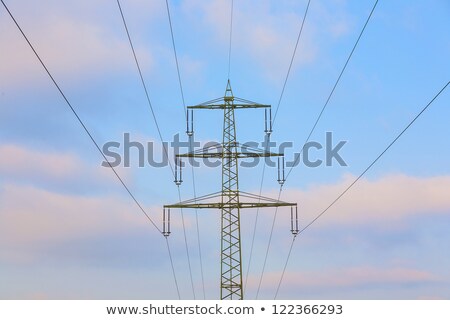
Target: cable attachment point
(268,121)
(281,177)
(178,171)
(294,221)
(166,222)
(190,122)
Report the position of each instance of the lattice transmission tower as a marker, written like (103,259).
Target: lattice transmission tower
(230,200)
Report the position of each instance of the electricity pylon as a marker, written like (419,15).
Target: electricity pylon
(230,200)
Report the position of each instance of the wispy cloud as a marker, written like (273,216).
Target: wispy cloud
(348,277)
(72,45)
(43,200)
(387,200)
(50,169)
(259,34)
(30,215)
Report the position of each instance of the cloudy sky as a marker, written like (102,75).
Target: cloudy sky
(69,230)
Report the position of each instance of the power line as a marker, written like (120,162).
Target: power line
(176,58)
(160,136)
(92,138)
(143,84)
(186,245)
(357,179)
(173,268)
(268,246)
(79,119)
(264,165)
(290,64)
(190,144)
(198,236)
(254,228)
(323,109)
(334,87)
(285,266)
(231,36)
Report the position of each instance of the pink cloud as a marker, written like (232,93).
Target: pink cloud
(353,276)
(72,45)
(29,215)
(21,163)
(387,200)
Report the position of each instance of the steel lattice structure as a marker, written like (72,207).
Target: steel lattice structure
(230,200)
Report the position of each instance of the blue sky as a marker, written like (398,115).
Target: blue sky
(69,230)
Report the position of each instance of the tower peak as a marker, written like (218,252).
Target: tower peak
(228,92)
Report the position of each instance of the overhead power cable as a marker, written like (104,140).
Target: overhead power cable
(176,57)
(91,137)
(356,180)
(290,64)
(334,87)
(72,109)
(325,105)
(255,224)
(173,268)
(264,164)
(186,246)
(190,145)
(231,37)
(143,85)
(268,246)
(160,136)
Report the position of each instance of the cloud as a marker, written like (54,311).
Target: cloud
(66,172)
(17,161)
(332,19)
(387,200)
(49,197)
(264,36)
(29,215)
(63,186)
(71,44)
(349,277)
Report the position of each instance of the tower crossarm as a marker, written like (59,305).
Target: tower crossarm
(238,155)
(240,205)
(218,151)
(222,103)
(247,201)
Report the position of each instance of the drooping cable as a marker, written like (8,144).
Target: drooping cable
(328,99)
(254,229)
(231,37)
(176,57)
(271,126)
(268,245)
(186,246)
(159,133)
(190,146)
(199,246)
(90,136)
(290,64)
(285,266)
(334,87)
(356,180)
(79,119)
(173,268)
(147,95)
